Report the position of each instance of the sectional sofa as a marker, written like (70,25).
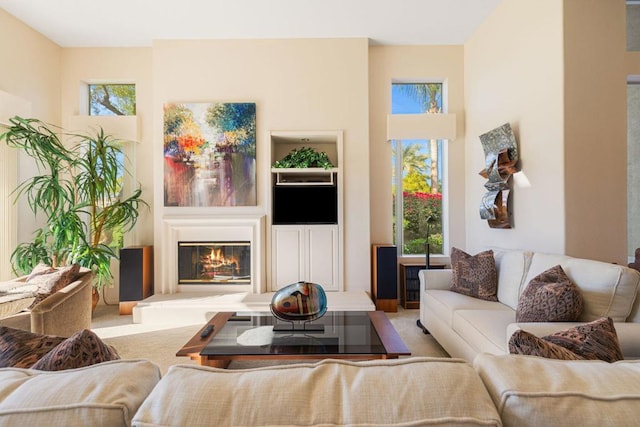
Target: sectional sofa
(496,390)
(466,326)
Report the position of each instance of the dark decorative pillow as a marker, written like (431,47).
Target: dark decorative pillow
(595,340)
(474,275)
(21,349)
(550,297)
(84,348)
(523,342)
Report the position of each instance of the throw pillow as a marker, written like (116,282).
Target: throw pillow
(21,349)
(523,342)
(595,340)
(39,270)
(84,348)
(550,297)
(474,275)
(50,283)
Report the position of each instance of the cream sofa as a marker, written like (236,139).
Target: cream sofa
(466,326)
(63,314)
(494,391)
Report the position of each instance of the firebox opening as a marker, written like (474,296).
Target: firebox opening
(214,263)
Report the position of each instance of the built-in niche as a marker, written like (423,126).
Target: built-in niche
(306,213)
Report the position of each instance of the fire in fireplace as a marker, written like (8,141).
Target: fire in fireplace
(214,263)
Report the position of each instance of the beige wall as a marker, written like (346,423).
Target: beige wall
(82,66)
(297,85)
(595,129)
(414,63)
(31,66)
(513,73)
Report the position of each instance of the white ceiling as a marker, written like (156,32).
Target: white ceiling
(84,23)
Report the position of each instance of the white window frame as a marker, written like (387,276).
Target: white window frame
(444,179)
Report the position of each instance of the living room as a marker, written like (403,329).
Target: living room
(329,84)
(539,66)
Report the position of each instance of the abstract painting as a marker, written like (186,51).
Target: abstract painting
(210,154)
(501,157)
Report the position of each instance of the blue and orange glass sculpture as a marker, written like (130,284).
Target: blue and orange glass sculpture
(302,301)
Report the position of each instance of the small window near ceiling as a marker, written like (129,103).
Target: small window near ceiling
(112,99)
(633,25)
(417,174)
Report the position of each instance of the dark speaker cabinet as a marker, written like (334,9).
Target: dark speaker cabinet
(384,282)
(136,276)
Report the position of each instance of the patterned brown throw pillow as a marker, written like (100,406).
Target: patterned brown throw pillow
(84,348)
(50,283)
(595,340)
(523,342)
(550,297)
(475,276)
(21,349)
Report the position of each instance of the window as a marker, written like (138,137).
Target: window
(417,174)
(112,99)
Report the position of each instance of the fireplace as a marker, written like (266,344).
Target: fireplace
(218,262)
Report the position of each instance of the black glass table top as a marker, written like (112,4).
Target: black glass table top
(343,333)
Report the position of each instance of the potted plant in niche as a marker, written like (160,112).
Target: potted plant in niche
(305,157)
(78,193)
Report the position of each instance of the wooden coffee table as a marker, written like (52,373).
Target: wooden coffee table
(353,335)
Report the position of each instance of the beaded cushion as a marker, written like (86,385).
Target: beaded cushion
(84,348)
(474,275)
(550,297)
(21,349)
(595,340)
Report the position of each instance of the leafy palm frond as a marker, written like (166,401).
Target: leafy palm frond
(79,191)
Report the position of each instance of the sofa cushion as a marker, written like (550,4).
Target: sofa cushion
(511,267)
(107,394)
(483,330)
(21,349)
(583,393)
(84,348)
(12,303)
(444,304)
(550,297)
(523,342)
(608,290)
(595,340)
(474,275)
(433,391)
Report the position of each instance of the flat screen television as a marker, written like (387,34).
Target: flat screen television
(305,204)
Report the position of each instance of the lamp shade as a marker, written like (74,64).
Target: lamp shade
(421,126)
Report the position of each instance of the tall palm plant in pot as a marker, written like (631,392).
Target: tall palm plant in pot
(78,192)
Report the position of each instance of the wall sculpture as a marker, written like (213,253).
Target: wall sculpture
(501,158)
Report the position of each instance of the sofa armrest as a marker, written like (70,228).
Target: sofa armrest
(435,279)
(65,312)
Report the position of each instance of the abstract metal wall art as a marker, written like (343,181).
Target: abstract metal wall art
(501,158)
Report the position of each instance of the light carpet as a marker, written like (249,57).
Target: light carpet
(159,343)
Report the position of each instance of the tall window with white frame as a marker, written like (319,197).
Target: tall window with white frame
(115,99)
(417,174)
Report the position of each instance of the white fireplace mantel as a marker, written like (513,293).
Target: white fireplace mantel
(218,228)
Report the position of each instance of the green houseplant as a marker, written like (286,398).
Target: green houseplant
(78,193)
(305,157)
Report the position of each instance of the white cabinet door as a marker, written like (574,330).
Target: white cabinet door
(288,256)
(305,253)
(322,256)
